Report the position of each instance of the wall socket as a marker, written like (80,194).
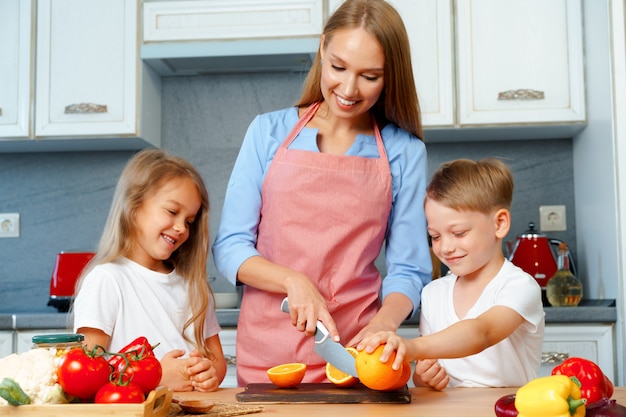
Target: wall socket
(552,219)
(9,225)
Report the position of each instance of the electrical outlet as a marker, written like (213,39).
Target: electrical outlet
(552,219)
(9,225)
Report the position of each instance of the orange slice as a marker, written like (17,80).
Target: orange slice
(340,378)
(287,375)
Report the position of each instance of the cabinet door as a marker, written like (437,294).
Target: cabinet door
(86,67)
(520,61)
(15,67)
(593,342)
(6,343)
(228,338)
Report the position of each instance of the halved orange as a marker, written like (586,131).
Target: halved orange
(377,375)
(340,378)
(287,375)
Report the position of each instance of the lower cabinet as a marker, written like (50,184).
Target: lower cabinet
(228,337)
(6,343)
(594,342)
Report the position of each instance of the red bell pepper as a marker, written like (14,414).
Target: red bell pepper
(138,348)
(595,386)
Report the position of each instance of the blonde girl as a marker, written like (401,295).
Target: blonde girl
(148,277)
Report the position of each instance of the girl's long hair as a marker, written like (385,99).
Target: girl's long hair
(143,176)
(398,103)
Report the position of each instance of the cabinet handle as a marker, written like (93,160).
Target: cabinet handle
(83,108)
(0,111)
(230,359)
(553,357)
(521,94)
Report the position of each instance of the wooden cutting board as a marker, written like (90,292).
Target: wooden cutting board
(324,393)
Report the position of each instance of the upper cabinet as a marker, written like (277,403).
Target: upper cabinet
(213,36)
(15,67)
(519,61)
(91,91)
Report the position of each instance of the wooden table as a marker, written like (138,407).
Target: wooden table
(455,402)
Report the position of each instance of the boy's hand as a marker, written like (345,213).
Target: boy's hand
(392,343)
(429,372)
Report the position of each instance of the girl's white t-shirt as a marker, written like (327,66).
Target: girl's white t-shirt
(513,361)
(126,300)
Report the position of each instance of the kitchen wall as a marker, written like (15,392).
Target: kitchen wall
(63,198)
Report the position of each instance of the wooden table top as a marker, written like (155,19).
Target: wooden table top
(466,402)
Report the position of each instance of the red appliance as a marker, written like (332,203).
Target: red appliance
(534,253)
(67,269)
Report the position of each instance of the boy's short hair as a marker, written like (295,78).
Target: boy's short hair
(484,186)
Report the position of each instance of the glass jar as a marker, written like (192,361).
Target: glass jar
(61,342)
(564,289)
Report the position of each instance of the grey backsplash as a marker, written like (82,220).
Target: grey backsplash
(63,198)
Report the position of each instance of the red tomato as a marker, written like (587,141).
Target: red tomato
(145,372)
(82,373)
(114,393)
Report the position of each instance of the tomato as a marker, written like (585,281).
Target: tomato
(112,392)
(81,373)
(144,371)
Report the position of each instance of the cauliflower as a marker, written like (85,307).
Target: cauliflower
(36,373)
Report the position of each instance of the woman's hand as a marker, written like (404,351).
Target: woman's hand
(306,306)
(430,373)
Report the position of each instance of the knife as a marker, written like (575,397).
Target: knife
(328,349)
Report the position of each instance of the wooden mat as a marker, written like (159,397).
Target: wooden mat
(220,410)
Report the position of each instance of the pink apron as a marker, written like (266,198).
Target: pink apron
(324,215)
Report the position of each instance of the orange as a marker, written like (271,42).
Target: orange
(287,375)
(374,374)
(340,378)
(406,375)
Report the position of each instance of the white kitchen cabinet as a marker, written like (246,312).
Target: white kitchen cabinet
(519,62)
(91,91)
(228,338)
(594,342)
(15,67)
(89,78)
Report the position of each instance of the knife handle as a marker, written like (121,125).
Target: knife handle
(284,306)
(321,333)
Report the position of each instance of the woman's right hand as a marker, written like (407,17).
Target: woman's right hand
(306,306)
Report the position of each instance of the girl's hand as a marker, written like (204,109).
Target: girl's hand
(430,373)
(202,372)
(175,374)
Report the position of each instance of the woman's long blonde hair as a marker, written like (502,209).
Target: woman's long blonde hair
(144,174)
(398,103)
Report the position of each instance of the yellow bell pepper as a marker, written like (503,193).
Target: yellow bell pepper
(550,396)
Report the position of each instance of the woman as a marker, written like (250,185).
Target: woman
(316,190)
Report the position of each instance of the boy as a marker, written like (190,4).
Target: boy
(481,325)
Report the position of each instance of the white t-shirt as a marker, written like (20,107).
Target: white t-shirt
(126,300)
(512,362)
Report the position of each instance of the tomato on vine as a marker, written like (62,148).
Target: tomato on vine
(82,372)
(116,392)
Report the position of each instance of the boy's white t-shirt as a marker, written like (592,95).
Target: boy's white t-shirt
(512,362)
(126,300)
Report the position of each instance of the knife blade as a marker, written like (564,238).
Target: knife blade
(328,349)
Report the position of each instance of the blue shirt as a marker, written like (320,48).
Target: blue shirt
(406,247)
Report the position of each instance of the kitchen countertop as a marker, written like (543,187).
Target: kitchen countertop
(466,402)
(589,311)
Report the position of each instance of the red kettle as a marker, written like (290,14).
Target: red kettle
(533,253)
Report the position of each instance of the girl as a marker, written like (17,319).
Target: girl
(148,277)
(318,188)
